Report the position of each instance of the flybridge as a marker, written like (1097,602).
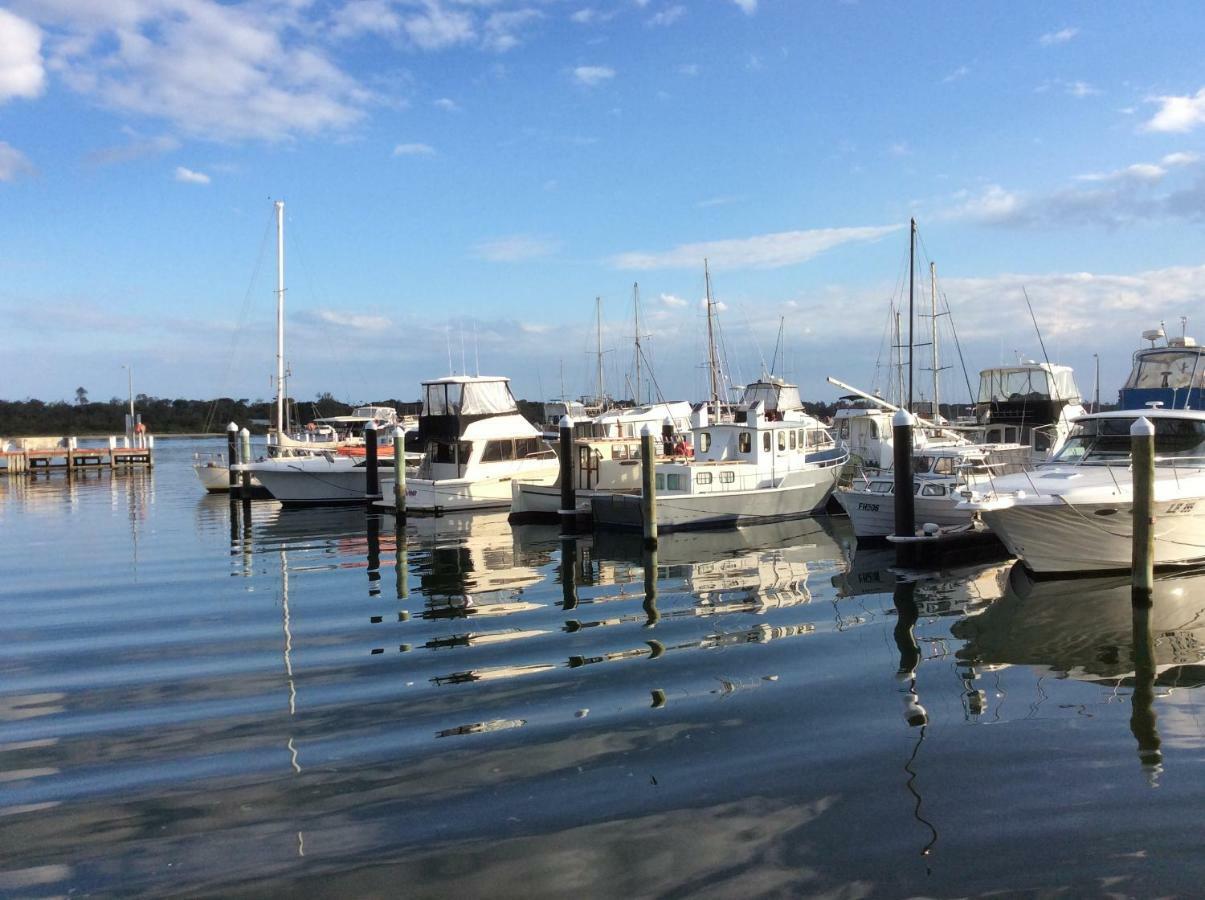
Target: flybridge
(1171,371)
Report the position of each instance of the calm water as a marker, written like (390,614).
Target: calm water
(196,702)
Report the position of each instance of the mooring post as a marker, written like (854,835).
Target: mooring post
(648,486)
(1142,457)
(232,457)
(245,458)
(372,487)
(667,435)
(905,516)
(1143,720)
(399,473)
(568,489)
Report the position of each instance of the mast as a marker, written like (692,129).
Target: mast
(911,296)
(712,363)
(636,310)
(933,337)
(598,315)
(280,321)
(899,360)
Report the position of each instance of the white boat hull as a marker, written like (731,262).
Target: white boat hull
(1061,538)
(873,515)
(215,478)
(313,481)
(806,494)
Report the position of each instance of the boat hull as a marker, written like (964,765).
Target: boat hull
(873,515)
(454,494)
(679,512)
(1058,538)
(313,482)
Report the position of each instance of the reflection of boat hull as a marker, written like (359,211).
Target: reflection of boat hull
(683,511)
(1053,538)
(812,536)
(873,515)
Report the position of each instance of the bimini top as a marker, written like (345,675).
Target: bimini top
(1028,382)
(774,394)
(468,395)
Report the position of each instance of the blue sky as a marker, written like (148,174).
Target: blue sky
(464,177)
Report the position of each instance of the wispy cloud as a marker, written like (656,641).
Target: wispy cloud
(667,16)
(726,200)
(137,147)
(501,31)
(1178,114)
(592,76)
(1081,89)
(763,251)
(689,69)
(674,301)
(589,16)
(447,104)
(13,163)
(957,75)
(515,248)
(748,7)
(190,176)
(21,70)
(356,321)
(1062,36)
(414,150)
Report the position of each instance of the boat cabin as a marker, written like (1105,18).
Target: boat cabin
(777,398)
(1021,404)
(1170,371)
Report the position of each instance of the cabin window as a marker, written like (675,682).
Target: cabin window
(703,478)
(782,441)
(765,441)
(1041,440)
(442,452)
(619,451)
(660,481)
(794,441)
(933,490)
(673,482)
(744,443)
(802,438)
(498,451)
(843,429)
(704,441)
(881,487)
(727,477)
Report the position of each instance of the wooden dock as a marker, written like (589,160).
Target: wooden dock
(73,458)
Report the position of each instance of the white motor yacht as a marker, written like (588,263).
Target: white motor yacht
(1074,514)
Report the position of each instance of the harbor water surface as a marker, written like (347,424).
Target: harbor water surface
(205,698)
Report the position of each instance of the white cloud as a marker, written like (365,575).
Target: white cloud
(1178,113)
(357,321)
(188,176)
(436,28)
(748,7)
(1137,172)
(958,74)
(899,148)
(726,200)
(674,301)
(365,16)
(992,205)
(764,251)
(501,28)
(690,69)
(1081,89)
(667,16)
(515,248)
(1180,158)
(137,147)
(413,150)
(21,71)
(447,104)
(13,163)
(1058,37)
(593,75)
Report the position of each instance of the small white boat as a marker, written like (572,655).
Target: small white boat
(474,444)
(754,468)
(1074,514)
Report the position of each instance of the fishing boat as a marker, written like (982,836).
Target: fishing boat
(474,444)
(1074,514)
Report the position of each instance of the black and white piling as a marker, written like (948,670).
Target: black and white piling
(399,470)
(372,486)
(232,456)
(905,508)
(568,493)
(648,486)
(1142,457)
(244,440)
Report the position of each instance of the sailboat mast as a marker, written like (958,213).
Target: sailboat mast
(636,310)
(598,315)
(712,364)
(899,360)
(933,337)
(280,320)
(911,296)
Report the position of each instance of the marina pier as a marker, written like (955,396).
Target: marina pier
(33,455)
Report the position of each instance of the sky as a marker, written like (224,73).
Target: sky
(463,178)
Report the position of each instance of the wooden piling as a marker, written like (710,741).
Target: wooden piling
(905,514)
(232,457)
(568,489)
(648,486)
(245,458)
(399,476)
(1142,457)
(372,488)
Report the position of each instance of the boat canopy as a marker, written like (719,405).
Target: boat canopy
(1168,368)
(772,394)
(1032,382)
(478,396)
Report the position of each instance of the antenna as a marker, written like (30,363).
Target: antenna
(1049,369)
(464,370)
(448,341)
(911,294)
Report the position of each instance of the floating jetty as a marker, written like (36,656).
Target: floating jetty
(32,455)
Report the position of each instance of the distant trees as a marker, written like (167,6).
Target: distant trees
(81,396)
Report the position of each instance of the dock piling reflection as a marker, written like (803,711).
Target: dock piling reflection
(1142,703)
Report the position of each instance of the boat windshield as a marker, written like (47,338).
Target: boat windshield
(1107,442)
(1168,369)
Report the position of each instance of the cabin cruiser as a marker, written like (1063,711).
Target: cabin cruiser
(1171,371)
(474,444)
(755,468)
(1074,514)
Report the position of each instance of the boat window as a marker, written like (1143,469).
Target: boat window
(765,441)
(619,451)
(1107,441)
(1042,440)
(802,438)
(727,477)
(744,443)
(496,451)
(703,478)
(1168,369)
(794,440)
(782,441)
(843,429)
(933,490)
(673,482)
(704,441)
(660,481)
(881,487)
(436,401)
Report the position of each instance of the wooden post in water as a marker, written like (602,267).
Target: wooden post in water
(568,489)
(399,477)
(372,488)
(232,457)
(1143,721)
(648,486)
(245,458)
(905,516)
(1142,456)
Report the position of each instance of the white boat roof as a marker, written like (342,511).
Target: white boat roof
(466,379)
(1150,413)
